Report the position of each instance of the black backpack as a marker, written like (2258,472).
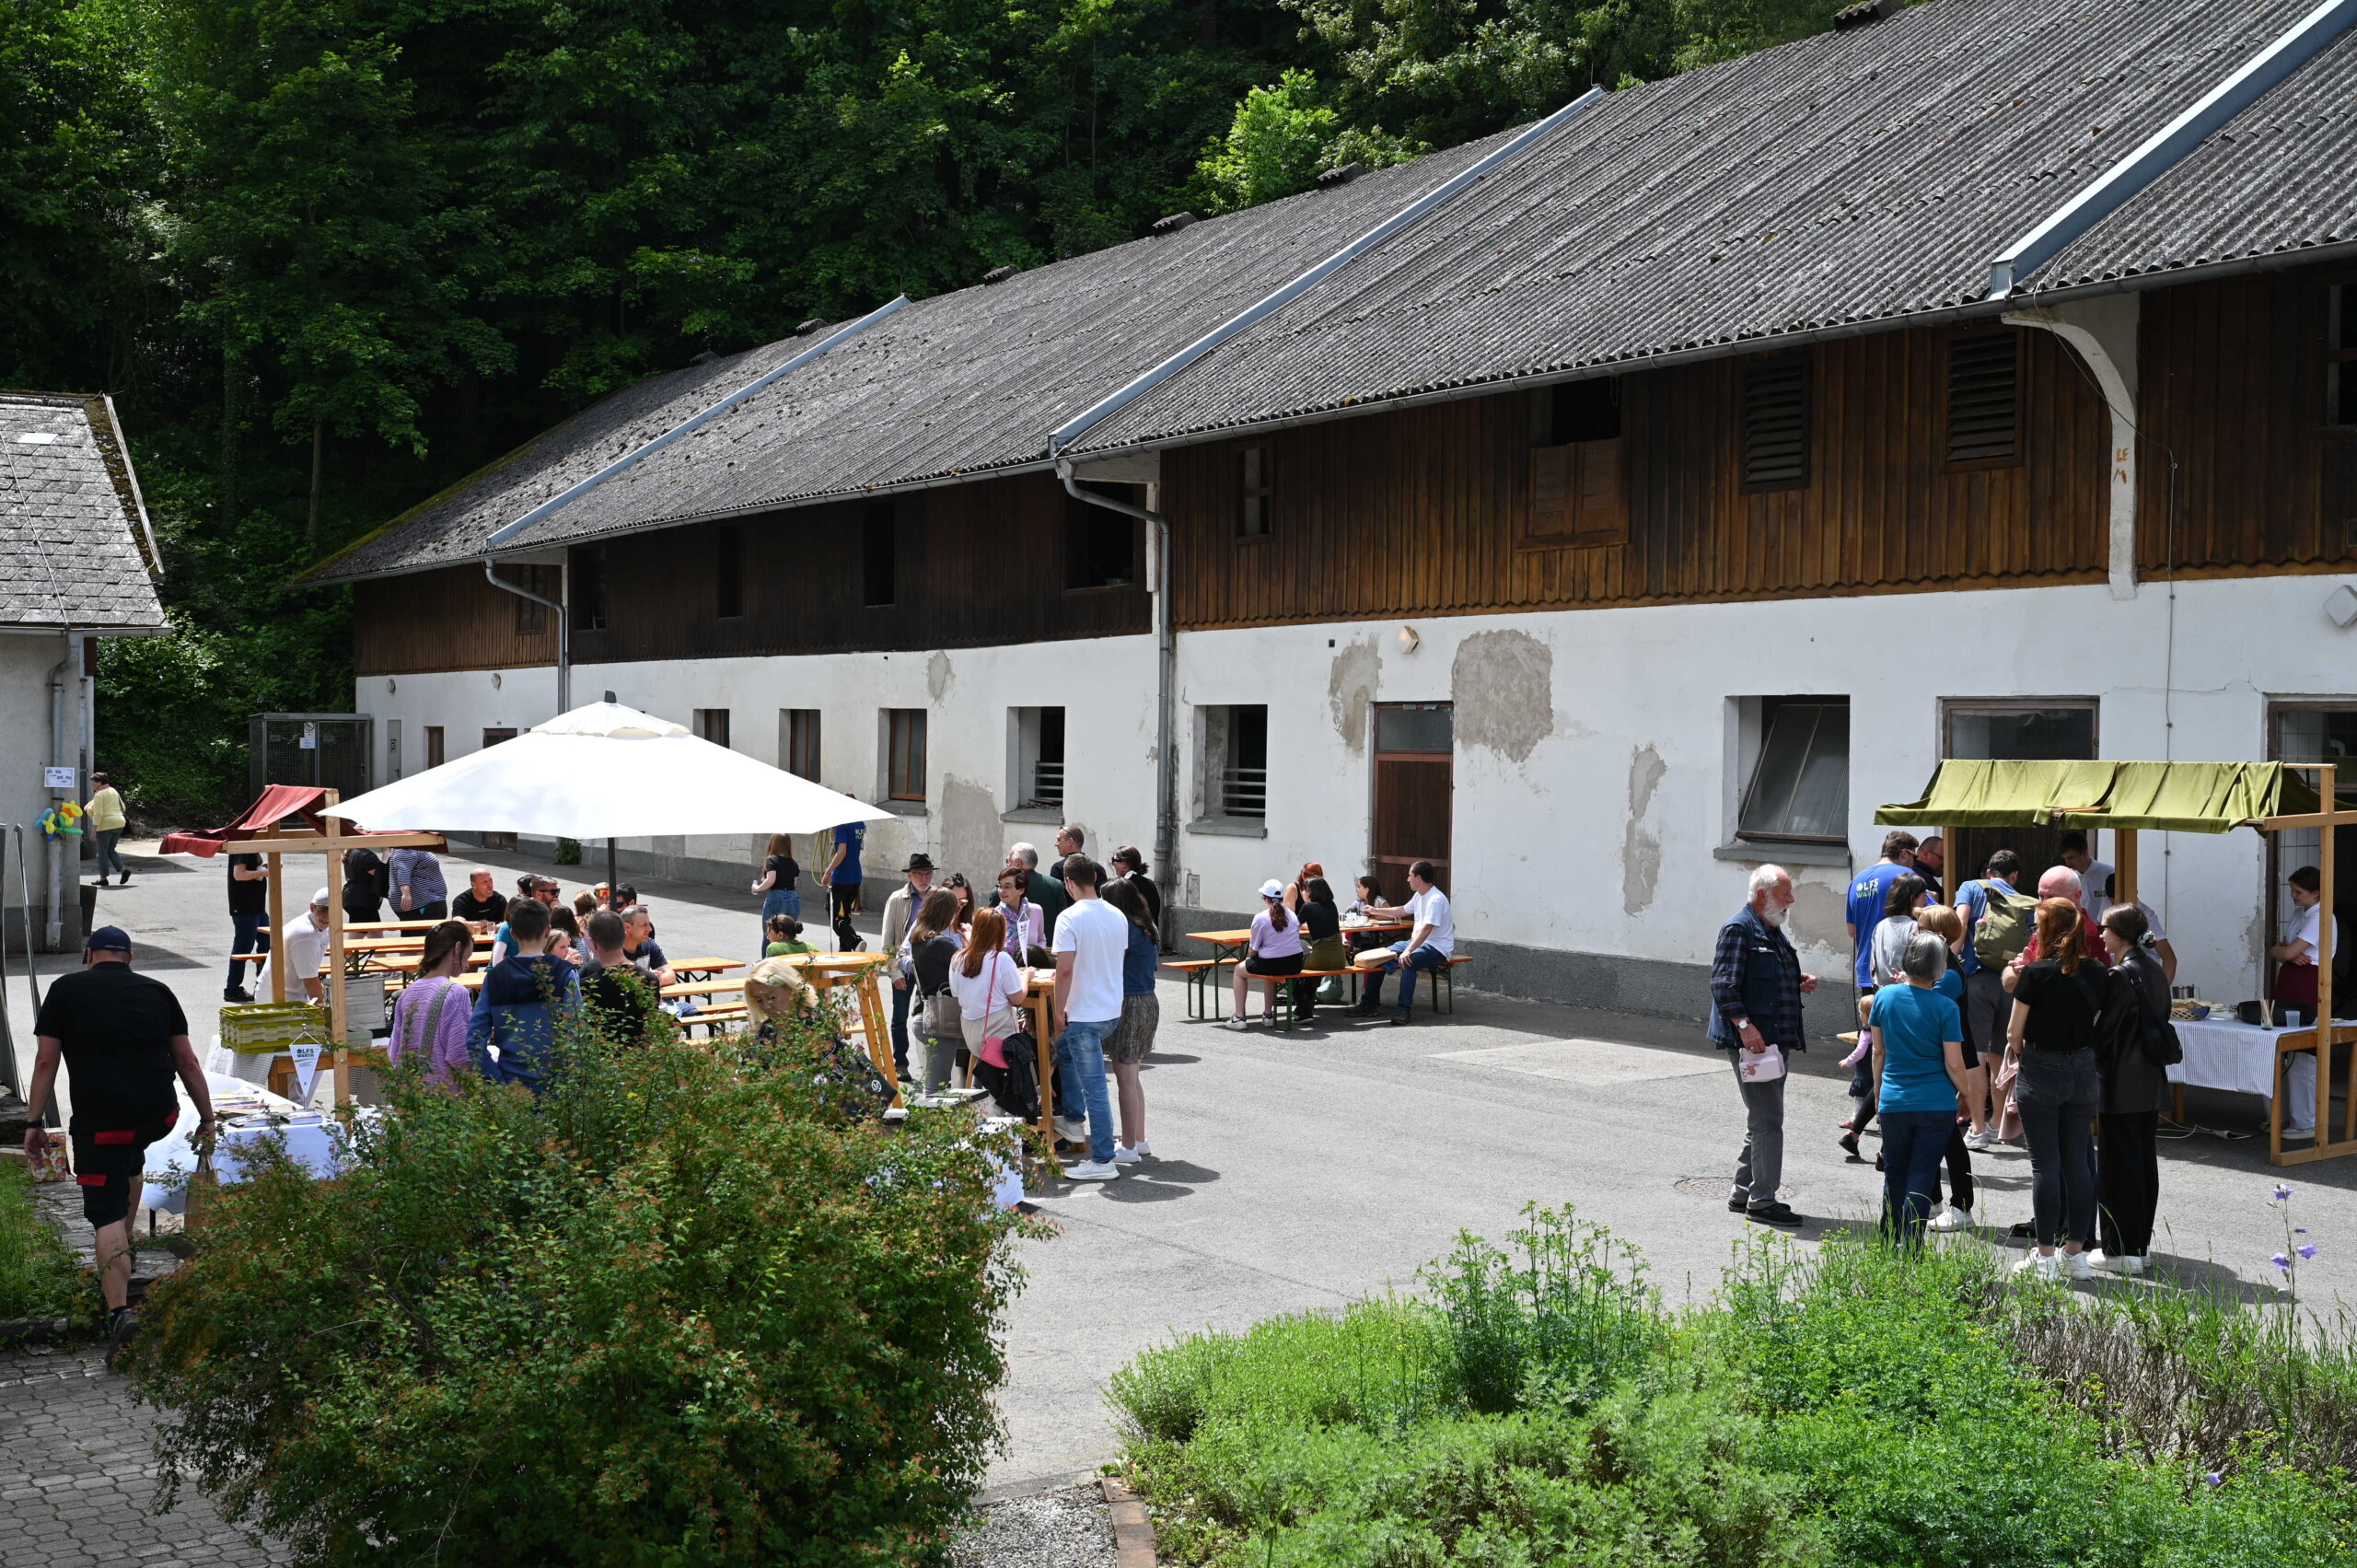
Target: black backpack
(2144,1027)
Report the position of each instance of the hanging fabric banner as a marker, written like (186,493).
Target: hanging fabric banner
(306,1070)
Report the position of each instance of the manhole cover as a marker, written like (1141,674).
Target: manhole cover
(1720,1186)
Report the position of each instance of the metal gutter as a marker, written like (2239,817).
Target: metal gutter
(1073,428)
(695,421)
(562,605)
(2167,147)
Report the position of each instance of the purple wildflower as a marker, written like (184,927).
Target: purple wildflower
(2281,1261)
(2282,1194)
(2216,1478)
(2307,1250)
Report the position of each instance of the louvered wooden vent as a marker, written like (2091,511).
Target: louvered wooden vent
(1985,397)
(1775,423)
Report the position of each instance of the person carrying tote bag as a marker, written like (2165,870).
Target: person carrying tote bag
(988,987)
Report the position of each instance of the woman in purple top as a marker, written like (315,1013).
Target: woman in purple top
(1276,952)
(430,1019)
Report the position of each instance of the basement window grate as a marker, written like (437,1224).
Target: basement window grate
(1775,423)
(1985,397)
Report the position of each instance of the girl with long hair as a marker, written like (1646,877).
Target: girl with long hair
(1132,1036)
(2056,1001)
(988,983)
(780,882)
(1275,953)
(430,1017)
(931,947)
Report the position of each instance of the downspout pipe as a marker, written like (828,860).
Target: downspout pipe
(2167,147)
(563,624)
(53,924)
(1166,657)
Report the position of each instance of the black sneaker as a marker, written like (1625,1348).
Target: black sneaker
(237,996)
(1778,1215)
(123,1326)
(1399,1018)
(1739,1205)
(1365,1007)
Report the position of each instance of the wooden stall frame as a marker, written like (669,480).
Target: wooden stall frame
(2326,1033)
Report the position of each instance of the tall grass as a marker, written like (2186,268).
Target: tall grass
(40,1276)
(1854,1405)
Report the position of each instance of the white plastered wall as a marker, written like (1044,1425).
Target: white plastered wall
(1595,770)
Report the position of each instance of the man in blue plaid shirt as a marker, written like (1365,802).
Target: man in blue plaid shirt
(1756,991)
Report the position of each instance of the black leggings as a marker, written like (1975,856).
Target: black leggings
(1959,1169)
(844,898)
(2128,1181)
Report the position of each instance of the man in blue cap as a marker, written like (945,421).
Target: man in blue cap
(123,1039)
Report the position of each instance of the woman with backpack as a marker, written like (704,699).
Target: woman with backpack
(2137,1047)
(2059,1001)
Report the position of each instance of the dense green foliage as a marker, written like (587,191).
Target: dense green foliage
(331,256)
(1857,1406)
(38,1275)
(681,1310)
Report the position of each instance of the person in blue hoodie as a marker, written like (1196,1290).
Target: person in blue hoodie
(522,1000)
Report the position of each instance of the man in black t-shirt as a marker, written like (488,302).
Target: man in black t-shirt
(249,919)
(483,905)
(614,991)
(123,1039)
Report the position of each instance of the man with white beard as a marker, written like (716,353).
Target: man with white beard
(1756,991)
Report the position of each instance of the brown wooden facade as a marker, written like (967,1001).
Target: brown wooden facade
(1478,506)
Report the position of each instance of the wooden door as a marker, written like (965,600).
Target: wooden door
(1414,781)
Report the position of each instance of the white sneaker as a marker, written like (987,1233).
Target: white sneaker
(1092,1171)
(2075,1266)
(1237,1024)
(1984,1139)
(1072,1130)
(2041,1265)
(1952,1218)
(2299,1132)
(2130,1264)
(1125,1155)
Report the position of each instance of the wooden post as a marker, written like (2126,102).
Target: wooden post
(336,1021)
(276,867)
(2325,790)
(2123,876)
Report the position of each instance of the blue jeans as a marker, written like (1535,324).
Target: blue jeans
(1080,1078)
(1913,1144)
(2058,1093)
(108,859)
(777,901)
(252,936)
(1425,957)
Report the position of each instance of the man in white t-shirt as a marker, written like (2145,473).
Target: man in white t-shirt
(1430,942)
(1091,935)
(303,947)
(2095,875)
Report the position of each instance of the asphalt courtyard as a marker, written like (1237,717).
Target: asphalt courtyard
(1297,1171)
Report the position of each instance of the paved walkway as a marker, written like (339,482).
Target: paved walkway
(1298,1171)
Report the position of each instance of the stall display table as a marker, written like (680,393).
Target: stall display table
(2228,1054)
(246,1116)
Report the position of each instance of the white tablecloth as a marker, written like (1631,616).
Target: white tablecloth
(2228,1054)
(310,1140)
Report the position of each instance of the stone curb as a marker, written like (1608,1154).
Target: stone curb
(36,1330)
(1134,1545)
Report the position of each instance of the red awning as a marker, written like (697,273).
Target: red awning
(273,806)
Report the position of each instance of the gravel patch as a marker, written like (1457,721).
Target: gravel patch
(1069,1528)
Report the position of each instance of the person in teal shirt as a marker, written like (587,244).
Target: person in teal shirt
(1919,1073)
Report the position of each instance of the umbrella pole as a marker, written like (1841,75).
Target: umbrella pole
(611,878)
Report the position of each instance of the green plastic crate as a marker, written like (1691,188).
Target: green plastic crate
(269,1029)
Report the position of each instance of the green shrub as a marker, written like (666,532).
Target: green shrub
(1569,1315)
(679,1311)
(40,1276)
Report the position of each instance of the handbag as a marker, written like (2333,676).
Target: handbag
(993,1046)
(1759,1066)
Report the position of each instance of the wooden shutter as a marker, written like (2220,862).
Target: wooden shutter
(1985,397)
(1576,496)
(1775,422)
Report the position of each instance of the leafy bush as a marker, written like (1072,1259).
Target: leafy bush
(1857,1405)
(40,1276)
(679,1311)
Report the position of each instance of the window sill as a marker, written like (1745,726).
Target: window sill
(1032,814)
(1765,852)
(1228,827)
(906,808)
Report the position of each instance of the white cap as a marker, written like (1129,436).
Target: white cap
(320,898)
(1272,889)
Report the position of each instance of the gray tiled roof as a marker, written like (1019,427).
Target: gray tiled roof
(72,537)
(1859,177)
(1848,180)
(959,384)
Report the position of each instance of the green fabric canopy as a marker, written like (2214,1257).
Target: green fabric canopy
(2177,798)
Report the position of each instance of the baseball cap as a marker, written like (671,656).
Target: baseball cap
(320,898)
(109,939)
(1272,889)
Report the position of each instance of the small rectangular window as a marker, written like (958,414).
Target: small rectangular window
(589,589)
(1253,492)
(904,764)
(436,749)
(2340,355)
(531,615)
(1984,396)
(1039,782)
(1584,410)
(728,570)
(1243,781)
(879,542)
(492,737)
(711,724)
(1775,422)
(1100,544)
(798,742)
(1416,727)
(1800,785)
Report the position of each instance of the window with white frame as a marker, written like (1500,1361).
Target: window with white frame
(1798,789)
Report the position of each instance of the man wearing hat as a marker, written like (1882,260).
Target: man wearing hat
(898,911)
(303,947)
(123,1038)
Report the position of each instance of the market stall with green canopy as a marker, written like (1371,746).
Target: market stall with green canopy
(2168,798)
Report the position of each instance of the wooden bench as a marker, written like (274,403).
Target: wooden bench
(1441,987)
(1203,989)
(712,1018)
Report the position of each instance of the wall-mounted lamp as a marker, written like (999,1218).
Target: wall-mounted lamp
(390,687)
(494,681)
(2341,605)
(1408,640)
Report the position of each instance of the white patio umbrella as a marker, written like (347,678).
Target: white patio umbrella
(605,772)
